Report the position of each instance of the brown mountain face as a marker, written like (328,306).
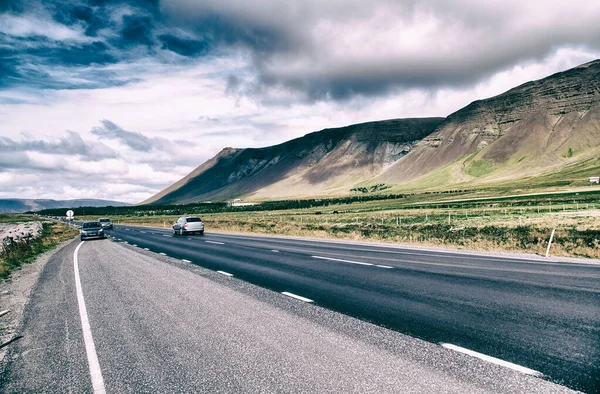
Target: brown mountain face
(534,128)
(550,126)
(325,162)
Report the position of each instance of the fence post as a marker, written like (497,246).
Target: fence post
(550,242)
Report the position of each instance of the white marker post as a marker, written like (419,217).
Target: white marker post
(550,242)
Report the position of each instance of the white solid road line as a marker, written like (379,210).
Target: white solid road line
(383,266)
(90,349)
(213,242)
(296,296)
(225,273)
(493,360)
(340,260)
(186,261)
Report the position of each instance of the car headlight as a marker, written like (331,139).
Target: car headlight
(101,230)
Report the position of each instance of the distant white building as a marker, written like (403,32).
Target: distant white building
(238,203)
(595,179)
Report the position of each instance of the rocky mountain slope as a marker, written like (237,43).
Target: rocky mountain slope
(544,128)
(535,128)
(324,162)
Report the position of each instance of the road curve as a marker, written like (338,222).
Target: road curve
(160,324)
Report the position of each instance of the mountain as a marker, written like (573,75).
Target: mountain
(545,132)
(324,162)
(17,205)
(537,128)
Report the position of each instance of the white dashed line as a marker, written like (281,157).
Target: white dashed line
(297,297)
(274,251)
(170,236)
(493,360)
(90,349)
(164,254)
(213,242)
(143,232)
(186,261)
(340,260)
(225,273)
(189,238)
(383,266)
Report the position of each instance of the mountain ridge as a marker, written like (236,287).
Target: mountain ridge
(538,127)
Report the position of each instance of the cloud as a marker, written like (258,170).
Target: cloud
(341,49)
(134,140)
(311,50)
(69,144)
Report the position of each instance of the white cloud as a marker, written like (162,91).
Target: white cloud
(31,25)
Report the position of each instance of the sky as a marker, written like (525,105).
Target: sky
(119,99)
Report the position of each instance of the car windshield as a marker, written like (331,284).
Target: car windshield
(194,219)
(104,220)
(91,225)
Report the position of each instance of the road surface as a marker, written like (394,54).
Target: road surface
(163,324)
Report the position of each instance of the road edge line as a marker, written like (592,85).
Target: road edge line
(90,348)
(493,360)
(292,295)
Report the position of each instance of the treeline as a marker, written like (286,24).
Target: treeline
(216,207)
(139,210)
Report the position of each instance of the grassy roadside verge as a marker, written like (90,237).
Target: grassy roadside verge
(16,253)
(519,228)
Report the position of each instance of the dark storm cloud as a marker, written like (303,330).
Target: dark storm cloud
(340,49)
(316,50)
(70,144)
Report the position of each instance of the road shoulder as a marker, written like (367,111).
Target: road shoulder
(15,294)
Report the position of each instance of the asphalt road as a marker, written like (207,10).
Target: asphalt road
(163,325)
(541,315)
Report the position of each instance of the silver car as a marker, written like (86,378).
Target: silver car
(188,224)
(106,223)
(91,230)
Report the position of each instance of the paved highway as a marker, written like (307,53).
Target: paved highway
(544,316)
(144,311)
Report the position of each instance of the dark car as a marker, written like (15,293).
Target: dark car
(92,230)
(106,223)
(188,224)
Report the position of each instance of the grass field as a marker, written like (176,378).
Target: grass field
(468,220)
